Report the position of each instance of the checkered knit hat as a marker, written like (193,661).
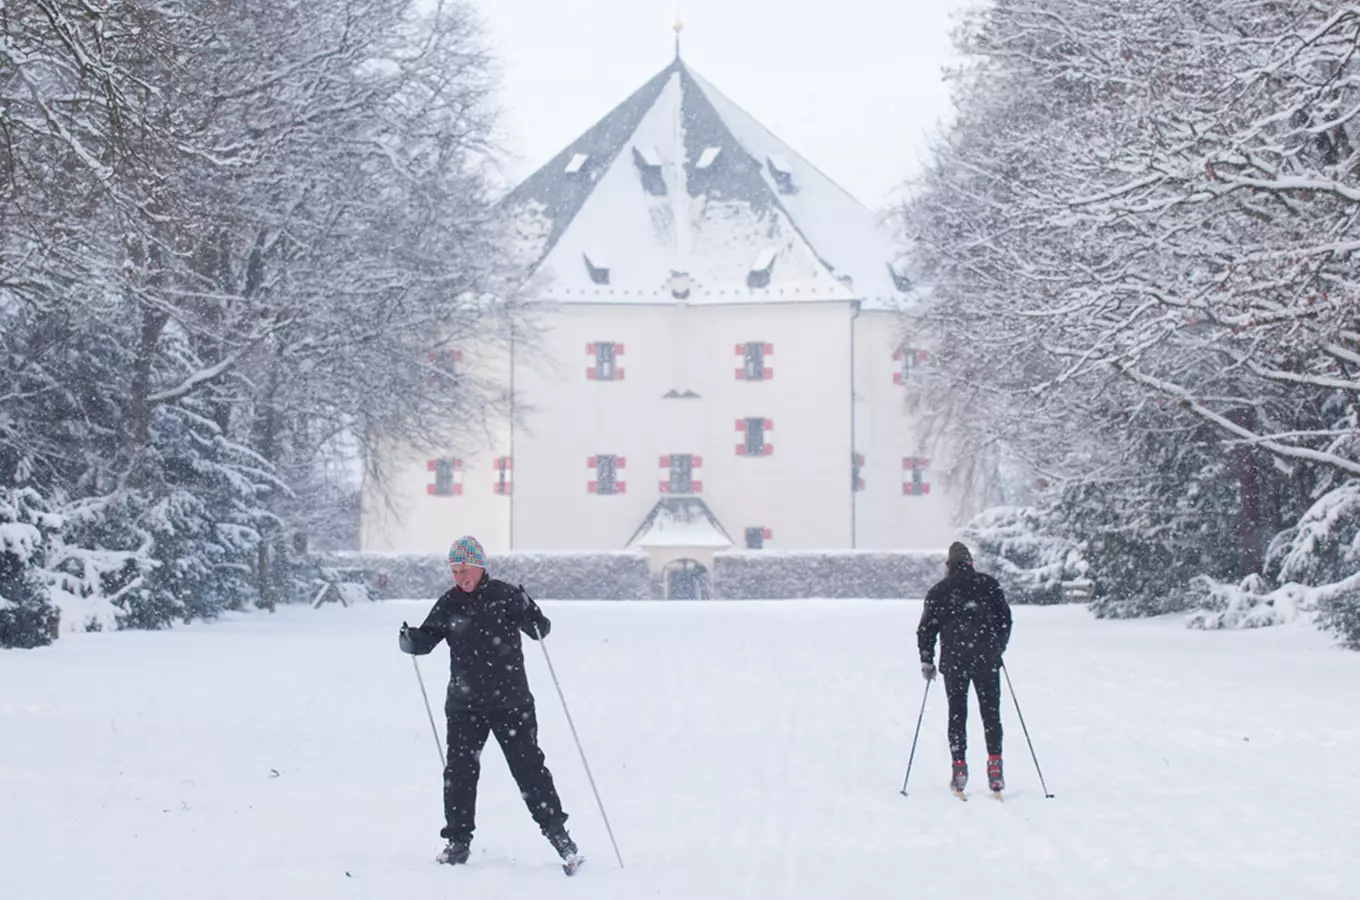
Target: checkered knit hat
(466,551)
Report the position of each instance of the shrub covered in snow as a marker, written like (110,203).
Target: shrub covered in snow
(1313,567)
(875,574)
(1029,559)
(26,615)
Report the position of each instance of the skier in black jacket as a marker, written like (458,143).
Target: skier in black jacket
(968,612)
(481,619)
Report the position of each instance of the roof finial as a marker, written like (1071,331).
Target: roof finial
(677,26)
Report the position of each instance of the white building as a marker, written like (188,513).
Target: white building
(719,321)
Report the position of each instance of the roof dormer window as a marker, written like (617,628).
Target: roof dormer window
(900,280)
(708,158)
(680,284)
(577,163)
(648,163)
(782,173)
(598,274)
(762,268)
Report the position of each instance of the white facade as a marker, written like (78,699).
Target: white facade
(679,232)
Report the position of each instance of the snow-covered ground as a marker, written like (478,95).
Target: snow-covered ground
(743,750)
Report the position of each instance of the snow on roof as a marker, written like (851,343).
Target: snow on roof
(733,193)
(680,522)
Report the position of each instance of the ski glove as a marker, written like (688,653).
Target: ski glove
(404,640)
(928,671)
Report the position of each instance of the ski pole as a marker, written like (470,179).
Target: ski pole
(579,749)
(1035,756)
(435,731)
(912,758)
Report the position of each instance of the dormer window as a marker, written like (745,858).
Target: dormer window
(708,158)
(782,173)
(648,163)
(598,273)
(900,280)
(761,269)
(577,163)
(680,284)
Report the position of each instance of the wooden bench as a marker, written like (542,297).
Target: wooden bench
(1078,591)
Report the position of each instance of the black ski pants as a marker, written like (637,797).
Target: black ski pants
(985,677)
(516,731)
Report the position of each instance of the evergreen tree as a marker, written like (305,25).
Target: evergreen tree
(27,616)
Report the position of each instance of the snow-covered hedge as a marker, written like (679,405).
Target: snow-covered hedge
(737,575)
(546,576)
(875,574)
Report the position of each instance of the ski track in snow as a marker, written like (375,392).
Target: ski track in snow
(743,750)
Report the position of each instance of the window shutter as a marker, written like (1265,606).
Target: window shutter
(591,370)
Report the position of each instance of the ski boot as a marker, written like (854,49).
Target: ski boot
(566,848)
(995,781)
(455,854)
(959,781)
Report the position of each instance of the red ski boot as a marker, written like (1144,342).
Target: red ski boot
(960,779)
(995,781)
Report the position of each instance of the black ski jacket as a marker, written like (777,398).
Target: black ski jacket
(967,610)
(483,632)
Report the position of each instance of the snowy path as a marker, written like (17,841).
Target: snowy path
(743,751)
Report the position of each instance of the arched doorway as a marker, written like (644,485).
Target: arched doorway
(686,579)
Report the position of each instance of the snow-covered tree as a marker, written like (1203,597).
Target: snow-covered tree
(1133,242)
(233,236)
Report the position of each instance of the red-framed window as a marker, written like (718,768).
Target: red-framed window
(755,437)
(503,466)
(447,362)
(914,471)
(756,536)
(679,474)
(448,477)
(604,361)
(755,364)
(908,360)
(605,472)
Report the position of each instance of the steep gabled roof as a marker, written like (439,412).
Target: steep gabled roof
(679,194)
(680,522)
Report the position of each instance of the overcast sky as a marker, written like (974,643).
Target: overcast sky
(853,85)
